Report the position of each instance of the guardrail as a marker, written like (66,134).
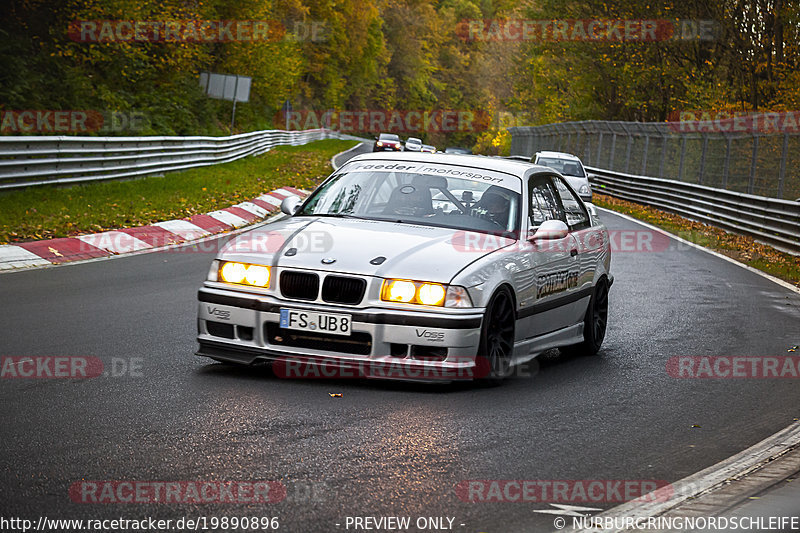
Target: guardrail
(770,220)
(718,173)
(764,163)
(41,160)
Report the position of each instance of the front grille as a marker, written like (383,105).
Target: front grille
(359,343)
(299,285)
(343,290)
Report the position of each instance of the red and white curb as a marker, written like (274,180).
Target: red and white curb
(142,238)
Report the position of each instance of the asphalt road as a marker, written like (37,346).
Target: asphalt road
(344,157)
(381,449)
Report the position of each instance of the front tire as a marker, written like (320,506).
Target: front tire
(496,346)
(595,321)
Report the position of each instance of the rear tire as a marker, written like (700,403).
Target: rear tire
(497,339)
(594,322)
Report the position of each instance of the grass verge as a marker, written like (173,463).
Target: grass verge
(739,247)
(47,212)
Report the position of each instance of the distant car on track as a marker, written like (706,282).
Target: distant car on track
(428,149)
(413,144)
(571,167)
(454,266)
(457,150)
(387,142)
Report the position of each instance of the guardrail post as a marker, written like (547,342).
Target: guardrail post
(727,164)
(599,149)
(703,159)
(644,156)
(752,184)
(663,157)
(587,152)
(628,153)
(683,157)
(784,155)
(613,147)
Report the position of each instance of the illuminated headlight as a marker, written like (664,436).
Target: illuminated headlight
(584,189)
(424,293)
(243,274)
(379,143)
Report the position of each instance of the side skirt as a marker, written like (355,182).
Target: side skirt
(528,349)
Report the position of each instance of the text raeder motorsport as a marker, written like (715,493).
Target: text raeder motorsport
(416,169)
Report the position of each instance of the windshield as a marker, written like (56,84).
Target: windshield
(566,167)
(388,137)
(417,198)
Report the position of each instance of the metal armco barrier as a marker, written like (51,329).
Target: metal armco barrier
(759,161)
(723,179)
(41,160)
(770,220)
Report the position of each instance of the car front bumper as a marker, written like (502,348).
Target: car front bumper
(384,343)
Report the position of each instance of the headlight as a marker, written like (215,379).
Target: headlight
(584,189)
(424,293)
(244,274)
(379,143)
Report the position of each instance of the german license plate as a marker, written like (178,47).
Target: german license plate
(329,323)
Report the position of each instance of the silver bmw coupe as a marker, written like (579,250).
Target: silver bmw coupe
(434,267)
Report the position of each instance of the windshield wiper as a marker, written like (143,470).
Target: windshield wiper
(335,215)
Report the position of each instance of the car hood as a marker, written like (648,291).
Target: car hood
(576,182)
(411,252)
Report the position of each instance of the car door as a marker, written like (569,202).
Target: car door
(546,268)
(585,254)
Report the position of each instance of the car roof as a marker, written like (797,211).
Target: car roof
(559,155)
(509,166)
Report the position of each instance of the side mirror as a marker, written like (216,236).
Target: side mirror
(550,230)
(290,205)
